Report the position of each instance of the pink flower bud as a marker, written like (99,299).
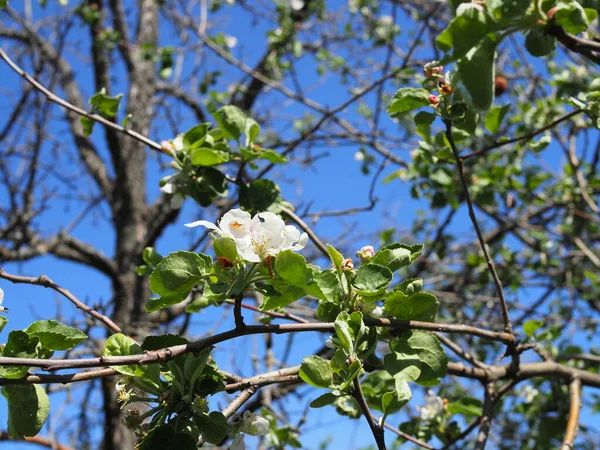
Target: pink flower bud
(366,254)
(347,265)
(434,100)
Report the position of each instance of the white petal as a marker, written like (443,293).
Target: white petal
(168,188)
(267,230)
(238,443)
(301,242)
(246,250)
(1,296)
(178,142)
(203,223)
(236,223)
(177,201)
(290,235)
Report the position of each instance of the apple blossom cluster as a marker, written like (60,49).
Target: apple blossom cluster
(434,406)
(258,237)
(249,423)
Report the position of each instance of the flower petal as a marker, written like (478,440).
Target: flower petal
(1,296)
(204,223)
(267,229)
(246,250)
(236,223)
(168,188)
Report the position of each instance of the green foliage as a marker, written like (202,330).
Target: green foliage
(28,409)
(417,353)
(316,371)
(175,276)
(407,99)
(54,335)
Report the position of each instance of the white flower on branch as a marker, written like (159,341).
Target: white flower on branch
(266,234)
(2,308)
(434,406)
(254,425)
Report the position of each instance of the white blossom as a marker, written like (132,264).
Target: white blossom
(434,406)
(254,425)
(266,234)
(231,41)
(178,142)
(238,443)
(386,20)
(296,5)
(2,308)
(529,393)
(377,312)
(359,156)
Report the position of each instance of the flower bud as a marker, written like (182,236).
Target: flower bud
(347,265)
(434,100)
(329,343)
(167,147)
(132,419)
(377,312)
(254,425)
(433,69)
(366,254)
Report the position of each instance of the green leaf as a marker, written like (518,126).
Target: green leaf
(213,426)
(407,99)
(336,257)
(195,137)
(87,124)
(467,406)
(3,322)
(323,400)
(28,409)
(259,195)
(175,277)
(396,256)
(231,120)
(19,345)
(531,326)
(372,279)
(3,4)
(225,246)
(120,345)
(392,402)
(417,306)
(571,17)
(287,297)
(538,43)
(147,376)
(507,9)
(151,256)
(56,336)
(433,361)
(205,156)
(494,118)
(251,129)
(465,31)
(292,268)
(316,371)
(477,71)
(165,437)
(342,331)
(105,104)
(410,286)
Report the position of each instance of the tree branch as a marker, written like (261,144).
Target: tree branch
(573,423)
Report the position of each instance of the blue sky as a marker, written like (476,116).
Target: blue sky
(337,184)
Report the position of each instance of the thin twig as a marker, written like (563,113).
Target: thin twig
(490,263)
(95,117)
(573,423)
(525,137)
(46,282)
(406,436)
(276,376)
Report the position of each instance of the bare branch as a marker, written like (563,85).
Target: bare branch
(573,423)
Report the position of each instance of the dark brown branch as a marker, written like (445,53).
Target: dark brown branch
(170,352)
(358,395)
